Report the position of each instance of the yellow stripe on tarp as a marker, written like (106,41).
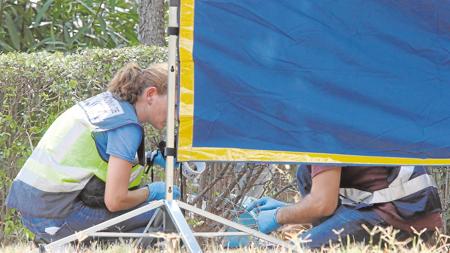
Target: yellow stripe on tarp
(186,41)
(237,154)
(186,152)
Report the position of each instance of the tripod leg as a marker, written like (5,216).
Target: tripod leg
(181,225)
(235,225)
(90,231)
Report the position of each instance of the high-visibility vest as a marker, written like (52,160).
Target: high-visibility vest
(66,157)
(408,181)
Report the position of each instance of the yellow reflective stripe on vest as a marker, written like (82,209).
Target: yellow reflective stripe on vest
(53,181)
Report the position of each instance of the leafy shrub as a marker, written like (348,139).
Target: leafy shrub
(35,88)
(59,25)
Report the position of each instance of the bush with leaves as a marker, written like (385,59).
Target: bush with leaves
(59,25)
(35,89)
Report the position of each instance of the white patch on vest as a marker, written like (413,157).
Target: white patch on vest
(101,107)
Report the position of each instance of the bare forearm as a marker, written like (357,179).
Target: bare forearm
(129,200)
(320,202)
(306,211)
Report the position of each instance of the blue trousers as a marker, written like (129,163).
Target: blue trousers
(346,220)
(80,218)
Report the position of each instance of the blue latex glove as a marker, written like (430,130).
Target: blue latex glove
(158,159)
(267,220)
(265,203)
(157,191)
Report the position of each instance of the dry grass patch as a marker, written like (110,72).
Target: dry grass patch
(386,242)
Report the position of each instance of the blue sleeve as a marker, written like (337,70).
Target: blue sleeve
(123,142)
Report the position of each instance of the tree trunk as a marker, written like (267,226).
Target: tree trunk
(151,22)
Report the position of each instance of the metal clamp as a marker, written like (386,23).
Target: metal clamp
(169,152)
(173,30)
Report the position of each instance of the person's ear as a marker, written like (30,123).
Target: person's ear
(149,93)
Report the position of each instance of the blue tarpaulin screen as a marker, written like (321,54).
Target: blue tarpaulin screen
(315,81)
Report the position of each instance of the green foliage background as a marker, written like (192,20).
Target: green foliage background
(34,89)
(61,25)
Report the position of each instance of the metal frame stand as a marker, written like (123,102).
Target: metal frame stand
(172,208)
(169,206)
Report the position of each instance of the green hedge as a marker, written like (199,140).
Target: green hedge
(34,89)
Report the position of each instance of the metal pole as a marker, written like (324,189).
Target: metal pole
(171,207)
(446,197)
(173,23)
(160,235)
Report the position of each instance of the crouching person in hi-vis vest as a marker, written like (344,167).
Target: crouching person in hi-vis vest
(337,201)
(88,166)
